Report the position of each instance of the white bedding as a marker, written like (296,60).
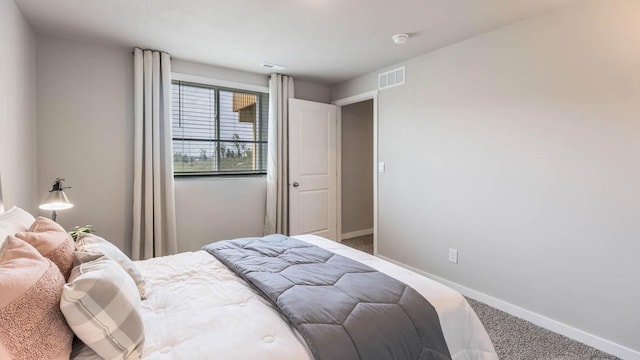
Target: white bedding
(196,308)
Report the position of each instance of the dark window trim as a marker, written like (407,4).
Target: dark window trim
(229,174)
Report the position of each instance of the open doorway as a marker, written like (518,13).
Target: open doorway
(357,175)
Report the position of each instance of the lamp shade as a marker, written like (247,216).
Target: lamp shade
(57,200)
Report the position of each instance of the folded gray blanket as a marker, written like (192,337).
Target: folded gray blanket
(345,310)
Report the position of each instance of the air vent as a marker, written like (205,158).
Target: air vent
(391,78)
(271,66)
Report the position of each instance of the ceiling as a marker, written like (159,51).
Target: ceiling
(325,41)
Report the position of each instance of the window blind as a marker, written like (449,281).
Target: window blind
(218,131)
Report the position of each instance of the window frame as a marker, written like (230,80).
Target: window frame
(223,85)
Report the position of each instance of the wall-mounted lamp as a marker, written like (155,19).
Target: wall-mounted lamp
(57,199)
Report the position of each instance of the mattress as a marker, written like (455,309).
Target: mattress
(196,308)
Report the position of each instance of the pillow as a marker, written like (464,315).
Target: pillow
(17,218)
(52,241)
(13,221)
(101,304)
(96,245)
(42,224)
(5,231)
(33,326)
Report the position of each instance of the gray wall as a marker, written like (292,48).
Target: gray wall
(357,166)
(212,209)
(312,92)
(520,149)
(85,133)
(18,160)
(219,73)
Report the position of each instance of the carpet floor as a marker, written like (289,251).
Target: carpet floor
(514,338)
(362,243)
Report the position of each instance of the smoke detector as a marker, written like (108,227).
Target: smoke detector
(400,39)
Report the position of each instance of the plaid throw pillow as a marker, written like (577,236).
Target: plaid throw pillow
(94,244)
(101,305)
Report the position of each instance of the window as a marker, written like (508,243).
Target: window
(217,130)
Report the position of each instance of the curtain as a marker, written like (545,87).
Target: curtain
(277,211)
(154,219)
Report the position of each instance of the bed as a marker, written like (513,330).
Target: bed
(195,307)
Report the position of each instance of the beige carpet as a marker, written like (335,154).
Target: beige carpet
(514,338)
(362,243)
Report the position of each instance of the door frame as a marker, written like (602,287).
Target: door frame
(370,95)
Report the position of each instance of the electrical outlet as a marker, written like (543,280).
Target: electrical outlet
(453,256)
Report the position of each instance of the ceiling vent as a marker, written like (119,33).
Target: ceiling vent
(271,66)
(391,78)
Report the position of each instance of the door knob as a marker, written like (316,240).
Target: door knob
(295,184)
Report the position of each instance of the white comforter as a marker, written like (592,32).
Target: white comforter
(196,308)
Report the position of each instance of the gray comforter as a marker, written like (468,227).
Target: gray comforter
(344,310)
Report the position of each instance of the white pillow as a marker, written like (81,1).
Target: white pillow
(13,221)
(4,232)
(96,245)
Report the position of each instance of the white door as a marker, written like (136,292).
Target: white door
(312,169)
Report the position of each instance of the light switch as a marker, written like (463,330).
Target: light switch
(453,256)
(381,167)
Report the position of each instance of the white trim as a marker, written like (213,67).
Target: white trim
(375,173)
(356,98)
(569,331)
(339,173)
(370,95)
(357,233)
(216,82)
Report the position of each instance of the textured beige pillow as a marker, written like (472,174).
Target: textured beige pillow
(42,224)
(32,325)
(96,245)
(101,304)
(52,241)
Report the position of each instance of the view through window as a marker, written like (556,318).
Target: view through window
(218,131)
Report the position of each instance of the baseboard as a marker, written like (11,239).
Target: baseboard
(571,332)
(353,234)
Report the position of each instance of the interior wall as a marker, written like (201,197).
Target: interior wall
(312,92)
(85,133)
(18,158)
(212,209)
(357,167)
(219,73)
(520,149)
